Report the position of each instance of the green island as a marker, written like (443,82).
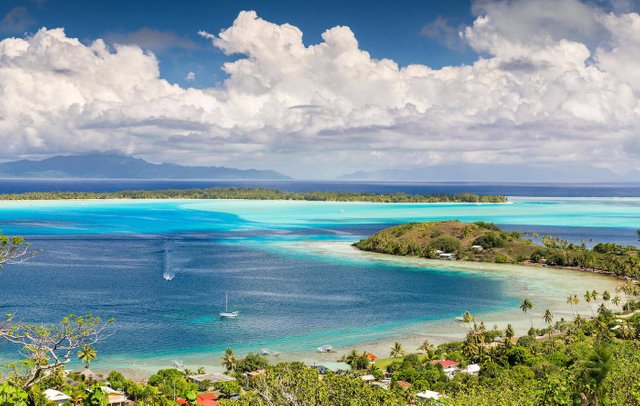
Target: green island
(261,194)
(486,242)
(573,361)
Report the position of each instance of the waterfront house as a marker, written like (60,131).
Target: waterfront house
(369,379)
(372,358)
(114,397)
(56,397)
(332,366)
(477,247)
(207,399)
(447,256)
(449,367)
(403,385)
(427,397)
(205,381)
(471,369)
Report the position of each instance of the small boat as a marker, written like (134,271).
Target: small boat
(177,363)
(276,354)
(226,314)
(460,318)
(265,351)
(325,348)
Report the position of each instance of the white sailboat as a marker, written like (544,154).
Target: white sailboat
(226,314)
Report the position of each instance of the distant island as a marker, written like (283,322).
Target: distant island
(114,166)
(261,194)
(486,242)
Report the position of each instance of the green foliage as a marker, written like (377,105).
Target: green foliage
(490,240)
(446,244)
(252,362)
(11,394)
(260,194)
(96,397)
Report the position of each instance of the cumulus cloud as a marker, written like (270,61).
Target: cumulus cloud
(191,76)
(539,94)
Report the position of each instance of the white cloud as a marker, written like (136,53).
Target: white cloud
(551,87)
(191,76)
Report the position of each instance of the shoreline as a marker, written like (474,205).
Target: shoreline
(541,287)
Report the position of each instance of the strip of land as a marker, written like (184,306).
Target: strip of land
(261,194)
(486,242)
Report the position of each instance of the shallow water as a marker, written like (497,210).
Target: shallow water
(286,266)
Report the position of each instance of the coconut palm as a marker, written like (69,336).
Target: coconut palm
(616,300)
(606,296)
(229,360)
(588,297)
(525,306)
(397,350)
(548,318)
(597,367)
(87,354)
(573,300)
(425,346)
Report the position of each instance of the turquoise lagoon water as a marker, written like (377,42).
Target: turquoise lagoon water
(111,258)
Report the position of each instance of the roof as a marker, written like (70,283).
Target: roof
(371,356)
(429,394)
(54,395)
(334,366)
(256,373)
(472,368)
(445,363)
(403,384)
(207,399)
(368,378)
(212,377)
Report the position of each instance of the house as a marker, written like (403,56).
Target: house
(89,376)
(368,378)
(428,396)
(332,366)
(471,369)
(447,256)
(403,385)
(114,397)
(449,367)
(56,397)
(211,379)
(477,247)
(207,399)
(372,358)
(253,374)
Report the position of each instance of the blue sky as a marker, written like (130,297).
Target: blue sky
(317,89)
(385,29)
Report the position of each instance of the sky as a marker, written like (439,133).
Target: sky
(318,89)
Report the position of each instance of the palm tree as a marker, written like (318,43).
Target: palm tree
(87,354)
(606,296)
(425,346)
(525,306)
(616,300)
(588,297)
(548,318)
(229,360)
(397,350)
(598,366)
(509,333)
(573,300)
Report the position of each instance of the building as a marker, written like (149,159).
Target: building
(332,366)
(471,369)
(115,398)
(428,396)
(447,256)
(56,397)
(449,367)
(207,399)
(209,379)
(372,358)
(403,385)
(477,247)
(369,379)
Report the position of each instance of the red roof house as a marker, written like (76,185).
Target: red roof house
(207,399)
(446,363)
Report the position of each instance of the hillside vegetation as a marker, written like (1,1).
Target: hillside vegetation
(429,240)
(260,194)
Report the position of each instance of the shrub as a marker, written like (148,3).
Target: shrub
(490,240)
(446,244)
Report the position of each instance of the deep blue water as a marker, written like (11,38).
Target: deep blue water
(109,258)
(508,189)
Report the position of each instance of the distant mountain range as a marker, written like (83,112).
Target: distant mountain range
(114,166)
(496,173)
